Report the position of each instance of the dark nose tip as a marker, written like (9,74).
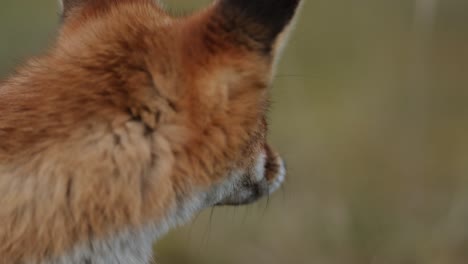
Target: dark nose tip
(272,165)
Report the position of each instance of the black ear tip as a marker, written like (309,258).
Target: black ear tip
(259,5)
(264,11)
(273,15)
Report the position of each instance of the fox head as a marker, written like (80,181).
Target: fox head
(136,118)
(207,77)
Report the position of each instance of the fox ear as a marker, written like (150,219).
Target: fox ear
(260,20)
(67,5)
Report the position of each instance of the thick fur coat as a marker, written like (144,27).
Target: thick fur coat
(132,122)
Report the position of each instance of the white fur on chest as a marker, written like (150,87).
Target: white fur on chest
(136,247)
(129,247)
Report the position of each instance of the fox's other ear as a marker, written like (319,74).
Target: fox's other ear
(260,20)
(67,5)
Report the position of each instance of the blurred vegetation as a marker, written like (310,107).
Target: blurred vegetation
(371,112)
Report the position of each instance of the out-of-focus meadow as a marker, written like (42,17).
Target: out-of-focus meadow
(371,113)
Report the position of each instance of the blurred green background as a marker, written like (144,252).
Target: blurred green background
(371,113)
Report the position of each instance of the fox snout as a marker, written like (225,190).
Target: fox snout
(264,177)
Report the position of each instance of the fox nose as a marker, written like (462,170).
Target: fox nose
(264,178)
(275,170)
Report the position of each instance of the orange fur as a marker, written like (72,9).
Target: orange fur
(129,112)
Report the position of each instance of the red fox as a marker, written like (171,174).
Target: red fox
(132,122)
